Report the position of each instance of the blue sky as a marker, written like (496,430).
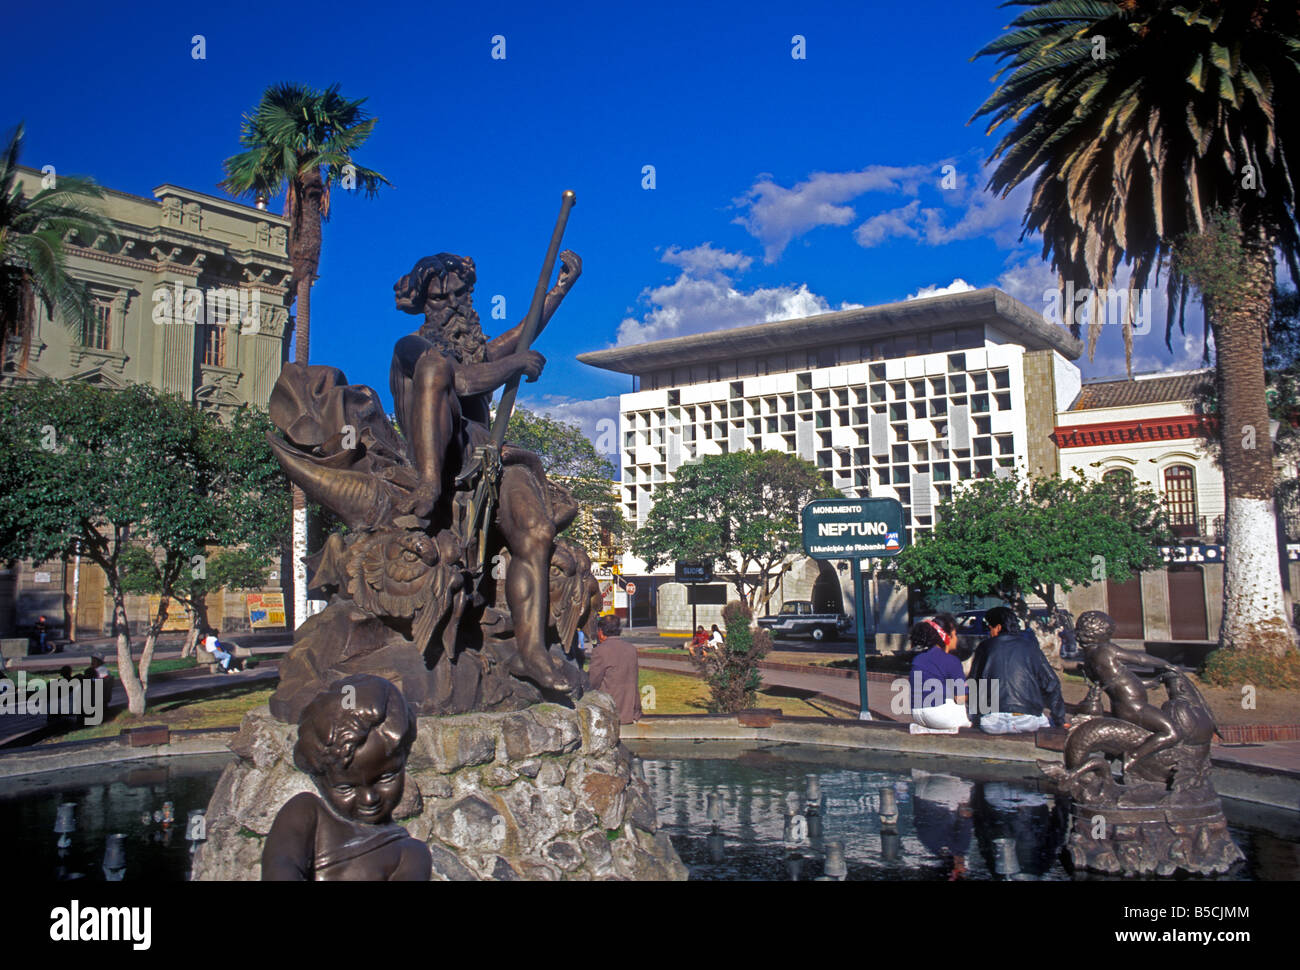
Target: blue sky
(783,186)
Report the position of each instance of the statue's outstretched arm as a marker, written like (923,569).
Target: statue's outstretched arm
(1142,659)
(570,270)
(487,377)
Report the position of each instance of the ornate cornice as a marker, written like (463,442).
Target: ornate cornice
(1134,431)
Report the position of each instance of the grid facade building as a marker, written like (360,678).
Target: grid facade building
(902,401)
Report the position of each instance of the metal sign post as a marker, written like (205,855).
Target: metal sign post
(855,529)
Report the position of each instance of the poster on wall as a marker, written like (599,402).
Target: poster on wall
(178,616)
(265,610)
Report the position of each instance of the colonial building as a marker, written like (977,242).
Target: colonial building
(1147,430)
(191,298)
(902,400)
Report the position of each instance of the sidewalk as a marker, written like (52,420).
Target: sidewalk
(77,655)
(20,729)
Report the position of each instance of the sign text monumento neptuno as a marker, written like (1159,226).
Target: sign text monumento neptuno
(853,528)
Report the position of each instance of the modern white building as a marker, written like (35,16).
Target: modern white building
(902,400)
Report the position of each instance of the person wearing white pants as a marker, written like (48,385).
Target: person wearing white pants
(938,681)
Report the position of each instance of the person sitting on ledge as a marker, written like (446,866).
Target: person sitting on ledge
(615,670)
(1021,681)
(938,683)
(695,646)
(353,740)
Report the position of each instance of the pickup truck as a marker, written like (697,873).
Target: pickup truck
(798,619)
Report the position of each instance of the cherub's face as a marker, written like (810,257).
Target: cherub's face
(371,787)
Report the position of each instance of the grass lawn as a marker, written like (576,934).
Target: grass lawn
(223,708)
(679,694)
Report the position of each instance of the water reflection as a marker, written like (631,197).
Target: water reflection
(865,815)
(109,823)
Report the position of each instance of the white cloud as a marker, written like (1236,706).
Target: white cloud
(1026,281)
(958,285)
(707,259)
(885,225)
(587,415)
(777,215)
(984,214)
(689,305)
(1029,280)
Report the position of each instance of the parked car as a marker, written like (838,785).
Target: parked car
(971,629)
(797,618)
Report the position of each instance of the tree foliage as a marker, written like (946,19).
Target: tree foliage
(570,459)
(1009,538)
(301,141)
(35,234)
(740,511)
(1136,120)
(110,471)
(732,670)
(1147,127)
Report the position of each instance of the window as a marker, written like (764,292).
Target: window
(1180,498)
(1118,475)
(214,345)
(97,332)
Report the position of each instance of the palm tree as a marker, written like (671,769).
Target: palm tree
(34,235)
(1139,121)
(300,141)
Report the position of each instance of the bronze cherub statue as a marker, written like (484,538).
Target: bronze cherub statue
(1163,813)
(353,740)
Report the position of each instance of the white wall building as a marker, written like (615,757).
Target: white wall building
(901,400)
(1147,429)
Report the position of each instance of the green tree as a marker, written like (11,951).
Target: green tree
(301,141)
(1136,120)
(225,569)
(740,511)
(1010,538)
(113,470)
(732,670)
(34,239)
(570,459)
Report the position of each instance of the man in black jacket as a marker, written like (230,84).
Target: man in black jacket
(1016,679)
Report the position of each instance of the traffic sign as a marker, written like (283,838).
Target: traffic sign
(631,589)
(853,528)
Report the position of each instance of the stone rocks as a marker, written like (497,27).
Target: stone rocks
(545,793)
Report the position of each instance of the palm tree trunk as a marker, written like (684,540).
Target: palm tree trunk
(1254,609)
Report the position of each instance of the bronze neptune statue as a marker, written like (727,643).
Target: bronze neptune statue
(450,580)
